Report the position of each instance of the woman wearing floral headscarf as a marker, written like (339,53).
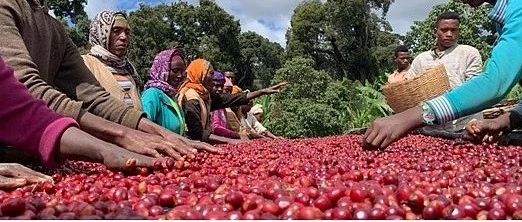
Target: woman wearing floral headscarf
(159,98)
(200,95)
(109,36)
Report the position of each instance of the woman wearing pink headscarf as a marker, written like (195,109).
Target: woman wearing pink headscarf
(219,119)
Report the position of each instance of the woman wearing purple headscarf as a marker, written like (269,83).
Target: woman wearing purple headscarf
(166,75)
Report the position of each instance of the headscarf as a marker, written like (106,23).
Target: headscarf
(99,36)
(257,109)
(236,89)
(197,70)
(218,76)
(228,82)
(160,70)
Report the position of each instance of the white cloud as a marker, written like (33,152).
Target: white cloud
(403,13)
(271,18)
(95,6)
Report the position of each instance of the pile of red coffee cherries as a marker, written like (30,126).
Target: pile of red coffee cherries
(329,178)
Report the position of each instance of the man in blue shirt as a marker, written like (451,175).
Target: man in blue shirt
(502,72)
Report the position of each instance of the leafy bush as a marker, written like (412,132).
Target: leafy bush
(516,93)
(314,105)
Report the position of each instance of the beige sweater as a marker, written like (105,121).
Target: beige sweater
(48,63)
(109,82)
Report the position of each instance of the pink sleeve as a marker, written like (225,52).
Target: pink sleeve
(27,123)
(219,125)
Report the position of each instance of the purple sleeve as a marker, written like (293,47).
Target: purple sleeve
(27,123)
(219,125)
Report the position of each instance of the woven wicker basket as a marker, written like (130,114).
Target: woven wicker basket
(410,93)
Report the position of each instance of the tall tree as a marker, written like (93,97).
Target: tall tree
(205,31)
(260,57)
(475,28)
(74,17)
(340,35)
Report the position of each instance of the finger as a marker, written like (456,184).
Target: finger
(130,164)
(172,153)
(144,161)
(387,141)
(379,139)
(207,147)
(152,152)
(181,146)
(371,136)
(183,149)
(19,171)
(34,173)
(470,127)
(281,84)
(11,183)
(486,138)
(368,131)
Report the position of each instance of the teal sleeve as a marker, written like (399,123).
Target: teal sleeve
(150,102)
(502,72)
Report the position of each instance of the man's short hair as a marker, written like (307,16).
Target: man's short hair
(447,16)
(400,48)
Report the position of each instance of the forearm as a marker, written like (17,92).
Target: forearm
(215,139)
(79,145)
(221,131)
(150,127)
(269,135)
(255,94)
(102,128)
(253,135)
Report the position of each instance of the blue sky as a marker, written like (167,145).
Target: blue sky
(271,18)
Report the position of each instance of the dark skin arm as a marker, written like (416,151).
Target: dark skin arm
(77,145)
(267,91)
(384,131)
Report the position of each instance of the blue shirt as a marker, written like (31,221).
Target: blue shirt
(503,70)
(161,109)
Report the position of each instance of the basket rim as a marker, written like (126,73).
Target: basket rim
(389,85)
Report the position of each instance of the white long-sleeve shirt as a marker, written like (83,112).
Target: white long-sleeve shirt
(462,62)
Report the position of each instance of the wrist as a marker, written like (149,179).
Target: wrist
(145,126)
(428,115)
(413,117)
(119,137)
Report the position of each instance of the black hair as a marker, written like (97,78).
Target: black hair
(447,16)
(398,49)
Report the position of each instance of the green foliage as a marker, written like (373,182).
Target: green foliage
(260,56)
(516,93)
(476,29)
(344,38)
(314,105)
(74,17)
(370,104)
(203,31)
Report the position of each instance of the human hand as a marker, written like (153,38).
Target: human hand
(274,89)
(14,175)
(384,131)
(488,130)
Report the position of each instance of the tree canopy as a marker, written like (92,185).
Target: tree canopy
(476,29)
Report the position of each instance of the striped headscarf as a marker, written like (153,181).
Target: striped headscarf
(99,38)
